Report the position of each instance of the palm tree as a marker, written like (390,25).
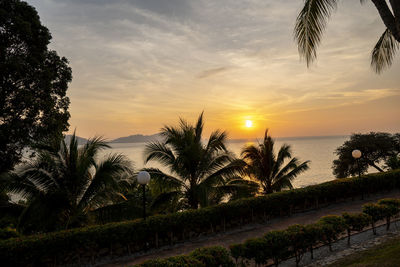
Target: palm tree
(312,19)
(268,169)
(62,184)
(200,174)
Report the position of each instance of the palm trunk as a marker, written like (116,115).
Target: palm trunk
(387,17)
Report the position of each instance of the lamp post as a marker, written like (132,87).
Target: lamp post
(357,155)
(143,178)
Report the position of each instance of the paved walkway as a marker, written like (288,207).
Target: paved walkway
(250,231)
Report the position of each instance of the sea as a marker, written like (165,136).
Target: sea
(318,150)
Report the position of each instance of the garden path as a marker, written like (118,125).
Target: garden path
(249,231)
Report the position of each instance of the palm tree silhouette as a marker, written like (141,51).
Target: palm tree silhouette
(200,173)
(268,169)
(64,183)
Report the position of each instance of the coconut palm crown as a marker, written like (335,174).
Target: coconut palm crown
(269,169)
(62,184)
(198,172)
(313,17)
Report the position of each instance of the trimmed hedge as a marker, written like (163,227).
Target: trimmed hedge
(296,240)
(85,245)
(203,257)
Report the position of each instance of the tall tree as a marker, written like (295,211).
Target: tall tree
(375,148)
(312,20)
(63,184)
(200,172)
(33,83)
(269,169)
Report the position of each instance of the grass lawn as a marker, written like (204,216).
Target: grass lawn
(385,254)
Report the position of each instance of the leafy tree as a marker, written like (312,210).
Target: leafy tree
(62,184)
(375,148)
(200,174)
(312,19)
(33,83)
(268,169)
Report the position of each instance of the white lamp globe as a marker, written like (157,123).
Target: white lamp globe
(356,154)
(143,177)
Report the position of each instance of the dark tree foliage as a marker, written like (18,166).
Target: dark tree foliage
(375,148)
(33,83)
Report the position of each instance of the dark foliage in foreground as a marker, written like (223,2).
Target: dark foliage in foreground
(33,83)
(66,247)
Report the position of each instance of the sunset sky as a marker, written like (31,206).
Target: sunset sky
(138,65)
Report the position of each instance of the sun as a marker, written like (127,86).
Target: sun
(249,123)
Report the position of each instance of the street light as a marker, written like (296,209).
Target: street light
(357,155)
(143,178)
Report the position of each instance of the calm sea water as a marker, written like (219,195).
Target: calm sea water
(319,150)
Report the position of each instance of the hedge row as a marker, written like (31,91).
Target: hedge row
(86,245)
(202,257)
(296,240)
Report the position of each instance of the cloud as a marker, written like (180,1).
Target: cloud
(160,59)
(211,72)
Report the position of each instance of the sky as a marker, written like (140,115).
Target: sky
(141,64)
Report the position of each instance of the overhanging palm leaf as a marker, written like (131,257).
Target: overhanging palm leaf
(384,52)
(310,25)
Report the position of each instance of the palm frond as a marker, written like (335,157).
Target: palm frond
(160,152)
(164,200)
(106,179)
(234,168)
(199,128)
(164,181)
(310,25)
(216,141)
(283,154)
(384,51)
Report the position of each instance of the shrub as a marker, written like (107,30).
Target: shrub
(313,233)
(160,230)
(332,226)
(391,209)
(237,251)
(376,213)
(278,244)
(257,249)
(297,236)
(202,257)
(355,222)
(177,261)
(6,233)
(213,256)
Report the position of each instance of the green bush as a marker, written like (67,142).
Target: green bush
(355,222)
(297,236)
(376,213)
(278,244)
(213,256)
(313,233)
(202,257)
(177,261)
(161,230)
(237,252)
(257,249)
(332,226)
(6,233)
(392,208)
